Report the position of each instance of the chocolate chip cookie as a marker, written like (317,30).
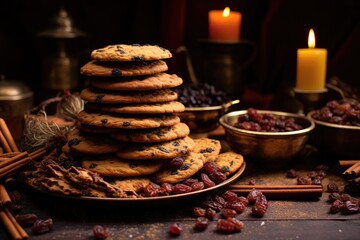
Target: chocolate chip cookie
(210,148)
(229,162)
(162,134)
(123,69)
(135,52)
(140,83)
(120,121)
(164,150)
(192,164)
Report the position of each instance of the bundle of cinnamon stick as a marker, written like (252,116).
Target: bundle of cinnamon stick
(11,161)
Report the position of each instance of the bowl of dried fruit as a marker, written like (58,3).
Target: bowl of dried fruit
(268,138)
(204,105)
(337,129)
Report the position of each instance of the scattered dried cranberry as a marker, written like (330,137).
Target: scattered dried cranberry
(199,212)
(225,226)
(259,209)
(227,212)
(180,188)
(304,180)
(334,196)
(210,213)
(332,187)
(26,220)
(175,229)
(201,223)
(238,225)
(206,180)
(100,232)
(238,206)
(253,195)
(229,195)
(350,208)
(42,226)
(336,206)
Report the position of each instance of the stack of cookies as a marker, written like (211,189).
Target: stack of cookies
(129,125)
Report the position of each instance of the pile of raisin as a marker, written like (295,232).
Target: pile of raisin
(200,95)
(224,209)
(207,177)
(254,121)
(342,112)
(343,203)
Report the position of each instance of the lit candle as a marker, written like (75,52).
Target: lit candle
(311,66)
(224,25)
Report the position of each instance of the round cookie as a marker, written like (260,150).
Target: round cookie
(113,121)
(135,52)
(229,162)
(123,69)
(164,150)
(94,129)
(210,148)
(154,108)
(135,184)
(91,144)
(162,134)
(151,82)
(192,164)
(152,96)
(115,167)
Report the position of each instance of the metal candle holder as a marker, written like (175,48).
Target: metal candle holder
(311,100)
(224,63)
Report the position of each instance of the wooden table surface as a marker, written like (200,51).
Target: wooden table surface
(284,219)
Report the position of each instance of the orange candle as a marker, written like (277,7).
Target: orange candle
(224,25)
(311,67)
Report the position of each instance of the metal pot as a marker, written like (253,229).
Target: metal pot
(15,100)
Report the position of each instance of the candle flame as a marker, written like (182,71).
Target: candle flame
(311,39)
(226,12)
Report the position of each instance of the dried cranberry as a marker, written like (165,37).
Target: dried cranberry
(217,177)
(253,195)
(197,186)
(210,167)
(175,229)
(227,212)
(259,209)
(201,223)
(180,188)
(199,212)
(332,187)
(213,205)
(26,220)
(229,195)
(206,180)
(350,208)
(334,196)
(291,173)
(304,180)
(100,232)
(210,213)
(225,226)
(238,206)
(336,206)
(238,225)
(42,226)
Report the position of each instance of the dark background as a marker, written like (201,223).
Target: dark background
(277,27)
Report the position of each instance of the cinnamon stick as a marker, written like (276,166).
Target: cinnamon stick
(281,191)
(10,140)
(9,226)
(4,196)
(38,153)
(13,159)
(347,163)
(353,171)
(4,143)
(13,166)
(8,155)
(20,230)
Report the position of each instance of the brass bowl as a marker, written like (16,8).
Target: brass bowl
(204,119)
(267,149)
(336,141)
